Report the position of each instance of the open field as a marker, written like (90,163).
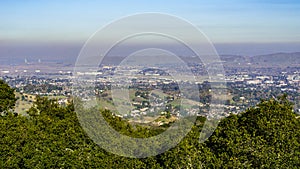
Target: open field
(22,105)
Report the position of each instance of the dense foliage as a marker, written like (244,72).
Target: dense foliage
(267,136)
(7,97)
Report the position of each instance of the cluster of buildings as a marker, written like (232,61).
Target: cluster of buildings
(245,88)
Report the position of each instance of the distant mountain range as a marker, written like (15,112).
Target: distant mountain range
(276,59)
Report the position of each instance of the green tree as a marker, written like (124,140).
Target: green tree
(7,97)
(267,136)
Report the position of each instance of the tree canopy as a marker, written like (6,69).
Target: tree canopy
(7,97)
(266,136)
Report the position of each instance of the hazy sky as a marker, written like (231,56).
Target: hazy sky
(26,24)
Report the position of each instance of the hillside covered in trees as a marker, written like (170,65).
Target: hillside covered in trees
(267,136)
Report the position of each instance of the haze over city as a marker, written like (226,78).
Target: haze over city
(56,30)
(150,84)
